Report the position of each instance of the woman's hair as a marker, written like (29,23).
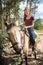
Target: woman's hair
(29,12)
(27,9)
(25,14)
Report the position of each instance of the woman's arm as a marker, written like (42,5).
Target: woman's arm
(30,25)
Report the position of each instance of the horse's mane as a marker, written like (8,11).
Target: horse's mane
(10,26)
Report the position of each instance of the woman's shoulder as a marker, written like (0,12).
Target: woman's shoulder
(32,17)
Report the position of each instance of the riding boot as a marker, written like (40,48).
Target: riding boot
(34,51)
(34,47)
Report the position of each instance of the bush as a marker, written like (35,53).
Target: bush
(38,24)
(3,37)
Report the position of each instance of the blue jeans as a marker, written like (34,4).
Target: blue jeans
(32,37)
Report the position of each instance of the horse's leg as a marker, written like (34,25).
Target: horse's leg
(21,59)
(35,55)
(26,60)
(34,50)
(26,48)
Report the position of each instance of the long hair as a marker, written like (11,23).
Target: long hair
(25,17)
(25,14)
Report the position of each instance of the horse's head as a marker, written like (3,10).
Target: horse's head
(14,34)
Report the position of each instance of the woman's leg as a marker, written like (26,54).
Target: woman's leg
(32,37)
(32,40)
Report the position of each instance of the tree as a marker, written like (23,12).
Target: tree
(0,6)
(38,24)
(0,12)
(12,4)
(32,5)
(7,6)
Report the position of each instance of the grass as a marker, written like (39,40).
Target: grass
(39,31)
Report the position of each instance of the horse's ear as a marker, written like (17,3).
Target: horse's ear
(6,23)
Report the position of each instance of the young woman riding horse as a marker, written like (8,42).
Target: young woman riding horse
(29,25)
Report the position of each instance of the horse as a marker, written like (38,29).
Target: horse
(19,39)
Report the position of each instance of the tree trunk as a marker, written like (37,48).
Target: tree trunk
(30,4)
(27,4)
(0,7)
(8,14)
(0,14)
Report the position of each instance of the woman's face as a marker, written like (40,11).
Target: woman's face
(26,12)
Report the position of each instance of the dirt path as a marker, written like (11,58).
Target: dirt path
(39,60)
(40,43)
(31,60)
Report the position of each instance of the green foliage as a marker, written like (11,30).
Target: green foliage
(7,6)
(15,11)
(18,60)
(33,5)
(3,38)
(0,21)
(38,24)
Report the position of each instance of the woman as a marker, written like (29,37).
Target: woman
(29,25)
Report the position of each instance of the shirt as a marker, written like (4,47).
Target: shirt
(28,22)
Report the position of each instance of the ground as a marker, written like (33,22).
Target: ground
(40,44)
(10,59)
(39,60)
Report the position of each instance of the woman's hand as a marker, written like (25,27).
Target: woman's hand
(25,26)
